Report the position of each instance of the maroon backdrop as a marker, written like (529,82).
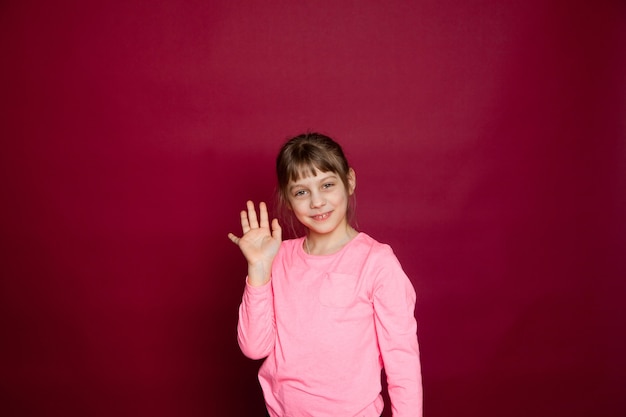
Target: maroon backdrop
(488,139)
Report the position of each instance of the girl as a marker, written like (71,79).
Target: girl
(330,309)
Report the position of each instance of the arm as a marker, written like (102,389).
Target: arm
(259,245)
(396,328)
(256,329)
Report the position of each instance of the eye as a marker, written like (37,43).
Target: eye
(328,185)
(299,193)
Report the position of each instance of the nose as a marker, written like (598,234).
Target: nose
(317,200)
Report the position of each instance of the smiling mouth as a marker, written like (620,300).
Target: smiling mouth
(321,217)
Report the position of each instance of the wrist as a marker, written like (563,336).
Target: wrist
(259,274)
(251,282)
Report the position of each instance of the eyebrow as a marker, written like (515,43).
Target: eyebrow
(323,179)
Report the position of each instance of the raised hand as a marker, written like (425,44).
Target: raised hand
(259,244)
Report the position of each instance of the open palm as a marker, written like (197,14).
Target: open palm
(259,244)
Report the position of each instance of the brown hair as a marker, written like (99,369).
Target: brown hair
(302,155)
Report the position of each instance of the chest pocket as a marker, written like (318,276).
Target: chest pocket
(338,290)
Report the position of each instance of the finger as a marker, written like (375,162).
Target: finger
(252,219)
(233,239)
(245,225)
(277,231)
(263,213)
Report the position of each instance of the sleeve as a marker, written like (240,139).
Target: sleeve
(256,328)
(396,329)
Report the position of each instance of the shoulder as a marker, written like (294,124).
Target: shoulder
(374,248)
(374,256)
(288,244)
(383,259)
(289,247)
(288,256)
(390,281)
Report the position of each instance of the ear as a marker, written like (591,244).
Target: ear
(351,181)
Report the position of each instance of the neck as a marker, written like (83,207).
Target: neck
(315,244)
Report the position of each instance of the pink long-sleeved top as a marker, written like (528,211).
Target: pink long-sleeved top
(328,325)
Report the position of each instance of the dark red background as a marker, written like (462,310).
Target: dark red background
(488,139)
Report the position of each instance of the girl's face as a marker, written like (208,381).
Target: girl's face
(320,202)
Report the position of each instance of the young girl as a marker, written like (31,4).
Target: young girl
(328,310)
